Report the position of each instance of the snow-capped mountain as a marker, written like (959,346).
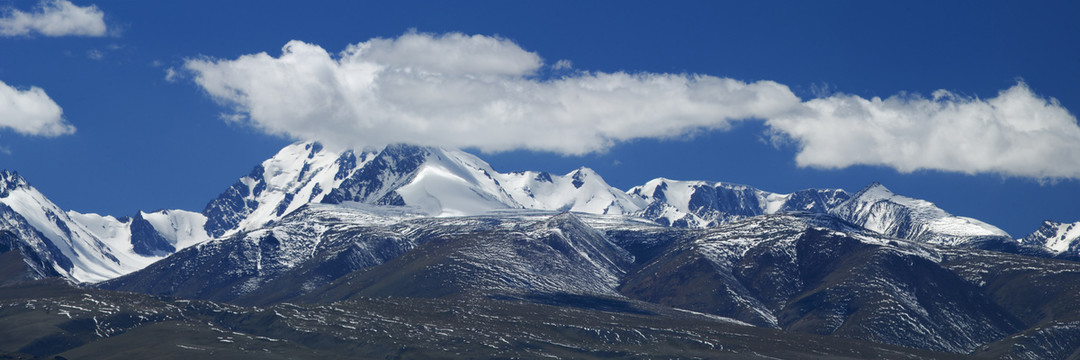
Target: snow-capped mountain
(315,225)
(817,273)
(89,247)
(448,182)
(704,204)
(878,209)
(437,181)
(581,190)
(300,173)
(800,272)
(440,182)
(1060,239)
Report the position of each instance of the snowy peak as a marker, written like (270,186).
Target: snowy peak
(374,182)
(10,180)
(81,247)
(1062,239)
(298,174)
(581,190)
(876,191)
(451,183)
(145,240)
(879,209)
(436,181)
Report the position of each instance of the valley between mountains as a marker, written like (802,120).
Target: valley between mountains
(419,252)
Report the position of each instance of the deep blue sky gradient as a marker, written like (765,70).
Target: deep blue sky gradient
(146,143)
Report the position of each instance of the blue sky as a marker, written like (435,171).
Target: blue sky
(131,139)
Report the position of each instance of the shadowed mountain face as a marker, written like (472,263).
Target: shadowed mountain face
(785,272)
(803,273)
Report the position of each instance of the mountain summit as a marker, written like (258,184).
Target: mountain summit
(879,209)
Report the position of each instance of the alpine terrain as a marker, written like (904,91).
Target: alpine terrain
(418,252)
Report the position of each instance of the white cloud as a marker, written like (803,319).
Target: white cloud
(171,74)
(1016,133)
(455,90)
(31,112)
(54,18)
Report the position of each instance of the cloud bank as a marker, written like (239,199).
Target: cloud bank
(1015,133)
(456,90)
(54,18)
(469,91)
(31,112)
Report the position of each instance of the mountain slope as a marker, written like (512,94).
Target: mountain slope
(878,209)
(1060,239)
(53,320)
(819,274)
(74,251)
(299,174)
(440,182)
(331,239)
(704,204)
(89,247)
(542,254)
(581,190)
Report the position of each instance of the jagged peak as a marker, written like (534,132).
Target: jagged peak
(583,171)
(649,188)
(583,174)
(10,180)
(874,191)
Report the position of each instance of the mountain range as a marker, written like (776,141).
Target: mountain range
(421,225)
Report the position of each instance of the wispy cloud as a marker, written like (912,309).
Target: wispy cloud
(54,18)
(31,112)
(477,91)
(171,74)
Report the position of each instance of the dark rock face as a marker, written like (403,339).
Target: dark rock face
(1053,231)
(40,255)
(290,260)
(10,180)
(825,282)
(814,200)
(731,201)
(19,262)
(146,240)
(231,207)
(715,204)
(396,162)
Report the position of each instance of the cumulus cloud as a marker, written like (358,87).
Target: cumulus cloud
(1016,133)
(31,112)
(54,18)
(455,90)
(477,91)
